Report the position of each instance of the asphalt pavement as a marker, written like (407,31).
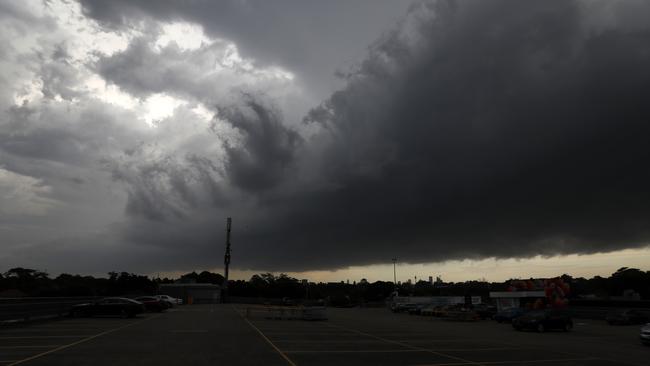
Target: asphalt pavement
(186,335)
(223,335)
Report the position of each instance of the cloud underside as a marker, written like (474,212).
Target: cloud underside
(473,129)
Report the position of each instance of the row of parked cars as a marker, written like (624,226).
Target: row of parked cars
(455,312)
(124,307)
(540,320)
(522,319)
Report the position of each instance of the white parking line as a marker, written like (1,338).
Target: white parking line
(328,341)
(49,329)
(81,341)
(512,362)
(27,347)
(466,361)
(289,361)
(45,337)
(189,331)
(357,351)
(398,350)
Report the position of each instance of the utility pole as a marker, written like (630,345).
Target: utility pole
(226,261)
(394,272)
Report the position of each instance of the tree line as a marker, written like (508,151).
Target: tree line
(19,281)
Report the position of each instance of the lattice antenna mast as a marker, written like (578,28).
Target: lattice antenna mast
(226,259)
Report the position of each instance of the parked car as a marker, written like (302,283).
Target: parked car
(121,306)
(171,300)
(507,315)
(401,307)
(442,311)
(645,335)
(428,310)
(485,311)
(543,320)
(627,316)
(153,303)
(416,310)
(463,314)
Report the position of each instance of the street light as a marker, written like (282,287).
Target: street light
(394,272)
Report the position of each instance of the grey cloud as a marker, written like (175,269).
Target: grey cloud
(311,38)
(500,129)
(266,153)
(191,74)
(474,129)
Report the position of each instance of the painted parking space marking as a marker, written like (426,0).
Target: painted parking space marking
(286,358)
(515,362)
(189,331)
(88,338)
(469,362)
(30,346)
(46,337)
(357,351)
(316,341)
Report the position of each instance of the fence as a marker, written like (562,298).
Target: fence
(33,308)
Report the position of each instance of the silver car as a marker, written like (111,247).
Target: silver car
(170,300)
(645,335)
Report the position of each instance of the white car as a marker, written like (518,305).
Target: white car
(171,300)
(645,335)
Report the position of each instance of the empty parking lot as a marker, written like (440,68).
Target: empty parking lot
(219,335)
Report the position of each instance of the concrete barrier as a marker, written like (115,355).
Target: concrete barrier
(286,312)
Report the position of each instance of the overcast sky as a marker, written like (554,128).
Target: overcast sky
(337,134)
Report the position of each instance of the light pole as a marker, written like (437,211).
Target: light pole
(394,272)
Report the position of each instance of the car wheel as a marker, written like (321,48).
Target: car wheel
(568,327)
(541,328)
(124,314)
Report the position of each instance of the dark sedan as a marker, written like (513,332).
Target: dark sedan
(508,315)
(152,303)
(485,311)
(119,306)
(627,316)
(543,320)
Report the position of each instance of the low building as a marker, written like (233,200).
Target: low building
(534,294)
(437,300)
(516,299)
(193,293)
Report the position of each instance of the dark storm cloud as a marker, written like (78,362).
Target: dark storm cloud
(312,38)
(267,150)
(474,129)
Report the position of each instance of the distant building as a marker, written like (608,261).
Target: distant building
(193,293)
(628,295)
(533,294)
(431,280)
(12,293)
(510,299)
